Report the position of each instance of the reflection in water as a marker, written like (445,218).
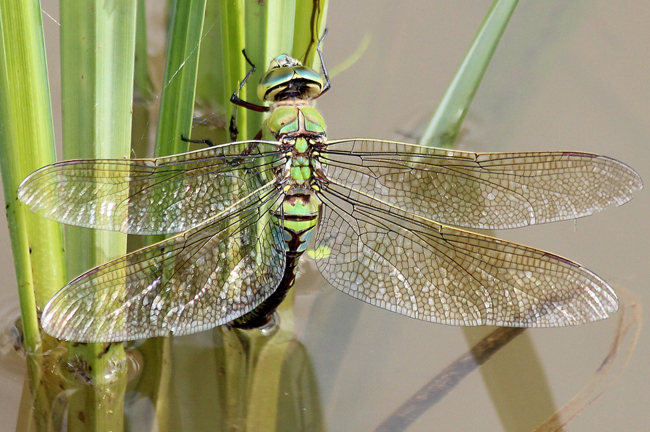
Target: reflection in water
(623,342)
(234,380)
(449,378)
(613,365)
(224,380)
(245,380)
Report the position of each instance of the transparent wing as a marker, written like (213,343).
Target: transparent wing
(419,268)
(147,196)
(208,276)
(482,190)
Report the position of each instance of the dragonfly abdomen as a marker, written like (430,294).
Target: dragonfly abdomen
(297,217)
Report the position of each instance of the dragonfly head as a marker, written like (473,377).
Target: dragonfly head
(286,78)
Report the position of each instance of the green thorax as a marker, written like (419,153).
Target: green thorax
(291,119)
(299,126)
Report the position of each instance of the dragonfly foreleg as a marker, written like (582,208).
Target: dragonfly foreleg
(235,96)
(207,142)
(235,99)
(230,161)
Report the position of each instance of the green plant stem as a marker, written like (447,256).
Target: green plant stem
(27,143)
(234,65)
(212,96)
(175,119)
(142,89)
(179,83)
(444,127)
(97,63)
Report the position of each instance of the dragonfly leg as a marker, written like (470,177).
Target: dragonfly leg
(235,160)
(247,151)
(322,63)
(235,96)
(235,99)
(234,131)
(207,142)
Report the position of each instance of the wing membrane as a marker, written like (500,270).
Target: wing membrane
(416,267)
(207,276)
(147,196)
(482,190)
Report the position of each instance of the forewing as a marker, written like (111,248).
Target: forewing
(400,262)
(210,275)
(481,190)
(147,196)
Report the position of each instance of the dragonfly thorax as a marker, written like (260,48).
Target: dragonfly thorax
(289,120)
(300,130)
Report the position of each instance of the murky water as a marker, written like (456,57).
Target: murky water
(566,76)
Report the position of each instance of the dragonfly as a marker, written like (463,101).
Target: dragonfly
(389,221)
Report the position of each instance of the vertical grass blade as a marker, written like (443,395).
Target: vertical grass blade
(234,64)
(444,127)
(97,68)
(27,143)
(179,84)
(97,58)
(211,93)
(142,88)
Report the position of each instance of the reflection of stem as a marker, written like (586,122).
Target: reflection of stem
(446,380)
(613,365)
